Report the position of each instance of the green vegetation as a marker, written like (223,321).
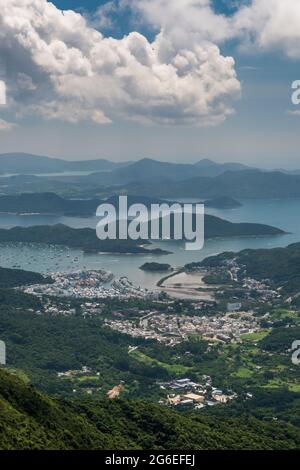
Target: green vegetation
(41,346)
(174,369)
(280,339)
(47,203)
(218,278)
(12,299)
(279,265)
(243,373)
(215,227)
(84,238)
(254,337)
(17,277)
(235,184)
(31,420)
(283,317)
(155,267)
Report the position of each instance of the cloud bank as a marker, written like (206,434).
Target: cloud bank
(269,25)
(259,25)
(57,66)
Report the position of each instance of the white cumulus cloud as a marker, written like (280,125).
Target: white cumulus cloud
(185,22)
(270,25)
(59,67)
(259,25)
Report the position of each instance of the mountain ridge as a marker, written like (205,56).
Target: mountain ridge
(144,168)
(21,162)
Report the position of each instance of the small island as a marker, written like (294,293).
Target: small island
(156,267)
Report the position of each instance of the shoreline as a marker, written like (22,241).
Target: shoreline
(190,286)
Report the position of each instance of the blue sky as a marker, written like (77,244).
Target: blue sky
(261,132)
(223,6)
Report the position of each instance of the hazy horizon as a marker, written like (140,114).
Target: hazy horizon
(132,85)
(134,160)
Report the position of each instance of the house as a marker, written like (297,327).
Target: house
(221,398)
(195,397)
(174,400)
(216,391)
(181,384)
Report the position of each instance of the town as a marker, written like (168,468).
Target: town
(185,393)
(174,329)
(98,284)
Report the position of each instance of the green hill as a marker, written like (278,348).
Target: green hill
(155,267)
(51,203)
(17,277)
(86,238)
(149,170)
(47,203)
(252,184)
(83,238)
(31,420)
(216,227)
(27,163)
(280,265)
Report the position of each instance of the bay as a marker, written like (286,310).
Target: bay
(284,214)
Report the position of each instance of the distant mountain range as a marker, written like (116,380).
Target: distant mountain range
(146,178)
(211,168)
(143,170)
(234,184)
(153,170)
(27,163)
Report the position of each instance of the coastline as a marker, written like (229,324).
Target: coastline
(189,286)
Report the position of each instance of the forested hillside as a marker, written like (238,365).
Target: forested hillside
(31,420)
(280,265)
(18,277)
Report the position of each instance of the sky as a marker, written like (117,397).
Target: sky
(171,80)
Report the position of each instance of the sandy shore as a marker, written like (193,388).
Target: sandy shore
(185,286)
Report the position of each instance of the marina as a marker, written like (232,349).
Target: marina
(47,259)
